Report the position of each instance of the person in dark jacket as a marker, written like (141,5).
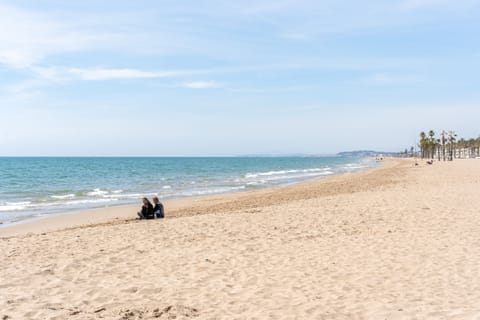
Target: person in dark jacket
(158,209)
(147,210)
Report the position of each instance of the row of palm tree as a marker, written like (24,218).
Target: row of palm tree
(467,148)
(446,146)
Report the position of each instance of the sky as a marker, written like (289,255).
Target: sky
(219,77)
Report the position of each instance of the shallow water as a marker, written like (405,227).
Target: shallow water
(32,187)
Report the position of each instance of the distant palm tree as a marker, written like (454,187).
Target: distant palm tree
(471,147)
(477,143)
(443,141)
(423,144)
(431,143)
(438,145)
(452,138)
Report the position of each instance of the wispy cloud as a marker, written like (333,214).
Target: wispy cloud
(112,74)
(27,38)
(385,79)
(51,76)
(30,37)
(38,41)
(42,77)
(200,85)
(62,74)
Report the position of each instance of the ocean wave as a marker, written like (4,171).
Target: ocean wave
(298,176)
(211,191)
(14,206)
(34,206)
(124,196)
(279,172)
(65,196)
(28,206)
(91,201)
(352,166)
(253,183)
(97,192)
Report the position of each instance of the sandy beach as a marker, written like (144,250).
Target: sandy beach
(395,242)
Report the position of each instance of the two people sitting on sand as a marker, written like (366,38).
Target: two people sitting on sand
(149,211)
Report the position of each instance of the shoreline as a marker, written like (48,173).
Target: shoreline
(105,197)
(127,212)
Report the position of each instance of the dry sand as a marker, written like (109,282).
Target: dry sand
(398,242)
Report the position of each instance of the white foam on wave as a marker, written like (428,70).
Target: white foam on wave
(268,173)
(65,196)
(283,172)
(21,206)
(97,192)
(353,166)
(45,204)
(124,196)
(86,201)
(253,183)
(14,206)
(166,187)
(316,169)
(297,176)
(213,190)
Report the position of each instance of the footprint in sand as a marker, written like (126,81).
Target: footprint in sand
(169,312)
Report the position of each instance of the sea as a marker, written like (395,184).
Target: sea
(33,187)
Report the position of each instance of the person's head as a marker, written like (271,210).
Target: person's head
(155,200)
(145,201)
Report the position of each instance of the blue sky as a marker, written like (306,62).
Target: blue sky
(234,77)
